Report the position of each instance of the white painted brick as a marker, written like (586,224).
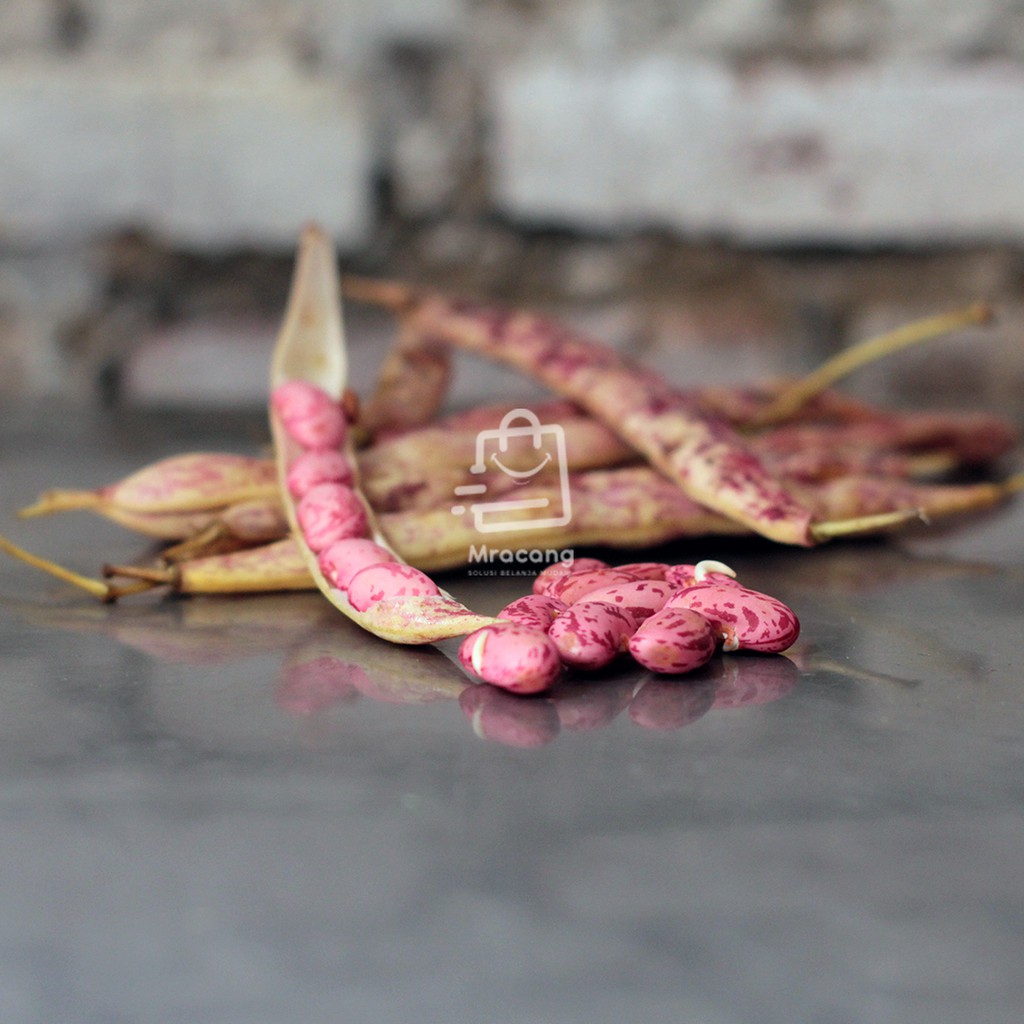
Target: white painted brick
(907,154)
(220,156)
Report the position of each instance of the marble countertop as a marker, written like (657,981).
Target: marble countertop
(196,825)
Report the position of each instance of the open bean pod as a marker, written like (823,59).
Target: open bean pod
(308,380)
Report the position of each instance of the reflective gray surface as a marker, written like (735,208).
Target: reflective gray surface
(196,827)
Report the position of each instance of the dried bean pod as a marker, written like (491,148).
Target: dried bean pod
(589,634)
(387,581)
(331,512)
(548,577)
(537,611)
(340,561)
(577,585)
(309,415)
(673,640)
(639,599)
(744,619)
(511,656)
(311,347)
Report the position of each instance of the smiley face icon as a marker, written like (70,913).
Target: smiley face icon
(521,448)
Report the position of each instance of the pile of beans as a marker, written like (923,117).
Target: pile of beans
(582,615)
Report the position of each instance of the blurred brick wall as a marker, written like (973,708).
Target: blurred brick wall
(794,168)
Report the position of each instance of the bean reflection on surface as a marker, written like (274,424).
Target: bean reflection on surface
(508,719)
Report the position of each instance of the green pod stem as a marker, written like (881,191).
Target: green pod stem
(311,348)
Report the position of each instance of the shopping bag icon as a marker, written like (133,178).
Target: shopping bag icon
(520,454)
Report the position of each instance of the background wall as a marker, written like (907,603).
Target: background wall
(671,172)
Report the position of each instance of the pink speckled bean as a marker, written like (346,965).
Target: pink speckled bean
(312,418)
(511,656)
(571,589)
(537,611)
(546,578)
(645,570)
(673,640)
(340,561)
(590,634)
(312,468)
(744,619)
(331,512)
(638,598)
(708,571)
(388,580)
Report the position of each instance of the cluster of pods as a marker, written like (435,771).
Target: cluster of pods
(650,463)
(582,615)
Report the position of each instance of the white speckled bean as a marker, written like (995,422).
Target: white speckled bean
(673,640)
(589,634)
(312,468)
(388,580)
(511,656)
(546,578)
(638,598)
(571,589)
(309,415)
(340,561)
(330,512)
(744,619)
(537,611)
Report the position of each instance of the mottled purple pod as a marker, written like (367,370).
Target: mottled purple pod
(743,619)
(386,581)
(309,415)
(312,468)
(331,512)
(571,589)
(340,561)
(537,611)
(673,640)
(511,656)
(640,599)
(589,634)
(546,578)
